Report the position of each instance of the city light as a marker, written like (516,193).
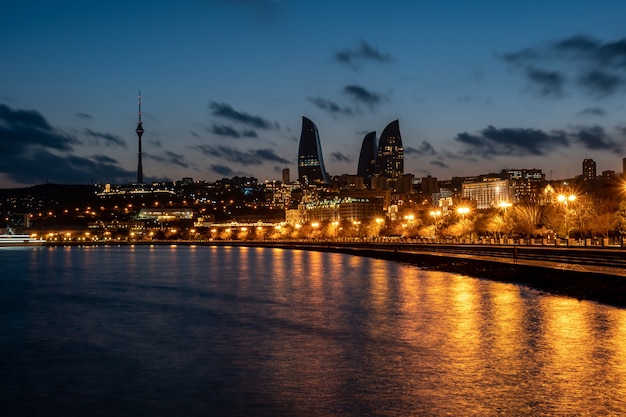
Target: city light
(562,198)
(463,211)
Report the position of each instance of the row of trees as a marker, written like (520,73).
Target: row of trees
(584,217)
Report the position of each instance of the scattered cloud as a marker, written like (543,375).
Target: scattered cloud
(84,116)
(362,95)
(548,83)
(227,112)
(169,158)
(222,130)
(22,129)
(40,166)
(596,138)
(355,57)
(593,111)
(33,151)
(340,157)
(331,107)
(109,139)
(249,157)
(596,67)
(222,170)
(424,149)
(510,141)
(492,141)
(439,163)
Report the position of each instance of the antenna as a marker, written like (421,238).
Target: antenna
(139,132)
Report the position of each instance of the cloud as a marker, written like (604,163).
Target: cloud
(39,166)
(250,157)
(595,138)
(222,170)
(363,52)
(226,111)
(330,106)
(592,111)
(109,139)
(549,83)
(511,141)
(492,141)
(168,157)
(424,149)
(601,83)
(583,62)
(340,157)
(23,129)
(84,116)
(34,152)
(439,163)
(222,130)
(104,159)
(362,95)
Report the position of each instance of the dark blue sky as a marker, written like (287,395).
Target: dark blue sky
(477,86)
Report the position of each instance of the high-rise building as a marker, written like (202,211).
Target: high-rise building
(367,158)
(390,154)
(311,168)
(589,170)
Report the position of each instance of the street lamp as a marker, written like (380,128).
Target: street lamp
(565,199)
(504,205)
(435,214)
(463,211)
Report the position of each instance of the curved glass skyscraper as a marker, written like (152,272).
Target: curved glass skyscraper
(367,158)
(390,155)
(311,168)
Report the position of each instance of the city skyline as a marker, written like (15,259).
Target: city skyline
(225,84)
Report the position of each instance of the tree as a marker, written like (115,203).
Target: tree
(620,218)
(526,218)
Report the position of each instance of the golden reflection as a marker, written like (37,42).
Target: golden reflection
(379,285)
(316,276)
(465,329)
(507,312)
(243,263)
(618,343)
(569,362)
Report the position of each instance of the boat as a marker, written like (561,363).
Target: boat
(11,239)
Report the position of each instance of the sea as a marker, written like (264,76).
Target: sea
(173,330)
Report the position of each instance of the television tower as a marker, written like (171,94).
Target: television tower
(139,131)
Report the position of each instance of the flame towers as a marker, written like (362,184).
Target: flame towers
(367,158)
(390,155)
(311,168)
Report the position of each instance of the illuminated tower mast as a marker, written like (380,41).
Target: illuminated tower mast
(139,131)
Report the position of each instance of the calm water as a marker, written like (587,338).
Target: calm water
(218,331)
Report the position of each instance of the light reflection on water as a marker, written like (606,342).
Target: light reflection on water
(172,330)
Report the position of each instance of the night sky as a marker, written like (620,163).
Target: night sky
(478,86)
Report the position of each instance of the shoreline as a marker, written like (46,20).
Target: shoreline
(602,287)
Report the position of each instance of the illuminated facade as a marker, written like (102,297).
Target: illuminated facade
(390,154)
(311,168)
(589,170)
(489,194)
